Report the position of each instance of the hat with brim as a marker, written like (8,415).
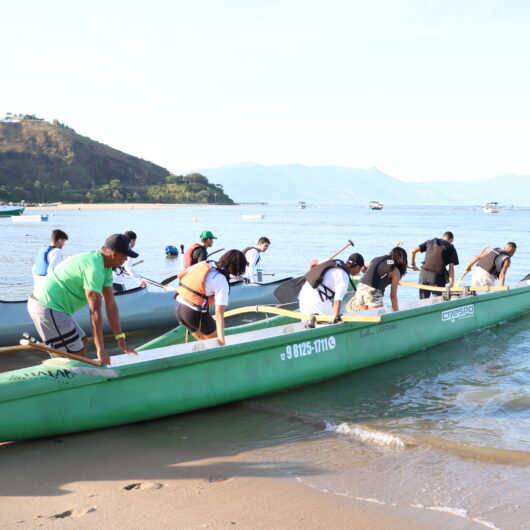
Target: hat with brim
(355,259)
(206,234)
(120,243)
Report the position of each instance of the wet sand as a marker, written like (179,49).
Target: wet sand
(151,476)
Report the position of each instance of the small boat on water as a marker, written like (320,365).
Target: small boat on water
(139,309)
(252,216)
(492,207)
(10,211)
(375,205)
(29,218)
(302,205)
(171,376)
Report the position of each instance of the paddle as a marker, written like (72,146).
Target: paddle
(30,341)
(288,292)
(138,263)
(459,281)
(212,253)
(162,286)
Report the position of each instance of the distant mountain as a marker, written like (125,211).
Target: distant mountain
(42,161)
(333,184)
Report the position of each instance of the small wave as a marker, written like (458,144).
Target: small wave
(367,435)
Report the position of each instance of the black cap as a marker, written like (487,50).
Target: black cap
(355,259)
(120,243)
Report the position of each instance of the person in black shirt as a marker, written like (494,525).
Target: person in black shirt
(438,269)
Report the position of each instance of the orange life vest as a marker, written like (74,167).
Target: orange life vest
(192,286)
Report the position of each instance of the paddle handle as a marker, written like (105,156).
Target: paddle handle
(459,281)
(348,244)
(54,352)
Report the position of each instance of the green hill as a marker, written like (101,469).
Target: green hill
(49,162)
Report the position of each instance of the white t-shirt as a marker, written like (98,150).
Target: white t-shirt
(55,256)
(252,255)
(215,285)
(118,276)
(310,299)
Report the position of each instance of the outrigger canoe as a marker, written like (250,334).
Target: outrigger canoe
(63,396)
(139,309)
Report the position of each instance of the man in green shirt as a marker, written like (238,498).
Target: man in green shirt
(80,280)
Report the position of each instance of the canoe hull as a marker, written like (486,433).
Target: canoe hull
(198,379)
(9,211)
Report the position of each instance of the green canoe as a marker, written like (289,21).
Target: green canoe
(62,396)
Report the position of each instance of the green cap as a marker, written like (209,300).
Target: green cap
(206,234)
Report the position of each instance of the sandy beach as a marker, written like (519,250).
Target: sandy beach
(155,479)
(109,206)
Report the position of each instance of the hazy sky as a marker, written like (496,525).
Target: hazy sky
(422,90)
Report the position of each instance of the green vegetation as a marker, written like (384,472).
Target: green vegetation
(50,162)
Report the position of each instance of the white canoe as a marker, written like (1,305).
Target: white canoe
(139,309)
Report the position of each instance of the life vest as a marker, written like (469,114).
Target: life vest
(188,257)
(246,249)
(192,286)
(315,277)
(41,261)
(377,274)
(434,262)
(493,261)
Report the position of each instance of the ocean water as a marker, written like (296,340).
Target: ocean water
(445,429)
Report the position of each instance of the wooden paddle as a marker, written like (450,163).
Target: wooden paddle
(459,281)
(349,244)
(30,341)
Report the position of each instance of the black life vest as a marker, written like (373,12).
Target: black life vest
(315,277)
(377,274)
(493,261)
(434,261)
(246,249)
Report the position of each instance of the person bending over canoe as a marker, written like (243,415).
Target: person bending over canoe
(118,276)
(202,285)
(382,271)
(439,254)
(80,280)
(48,258)
(253,256)
(198,251)
(491,265)
(325,281)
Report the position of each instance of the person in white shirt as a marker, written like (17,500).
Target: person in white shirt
(118,275)
(253,256)
(325,281)
(202,285)
(48,258)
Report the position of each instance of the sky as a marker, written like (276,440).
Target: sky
(423,90)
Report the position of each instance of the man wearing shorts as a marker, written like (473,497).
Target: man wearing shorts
(80,280)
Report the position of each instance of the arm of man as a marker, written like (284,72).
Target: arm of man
(96,323)
(113,317)
(413,253)
(395,278)
(502,274)
(475,259)
(132,273)
(220,323)
(451,274)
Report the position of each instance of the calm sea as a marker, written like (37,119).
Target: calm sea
(447,428)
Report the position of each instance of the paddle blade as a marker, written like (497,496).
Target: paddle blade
(288,292)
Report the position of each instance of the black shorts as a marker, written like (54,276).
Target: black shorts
(194,320)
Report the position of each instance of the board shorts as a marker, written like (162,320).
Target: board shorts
(482,278)
(195,319)
(56,329)
(365,296)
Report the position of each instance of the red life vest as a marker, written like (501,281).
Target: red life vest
(188,257)
(192,286)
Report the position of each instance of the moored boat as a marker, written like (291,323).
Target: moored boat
(9,211)
(139,309)
(29,218)
(258,358)
(252,216)
(375,205)
(491,207)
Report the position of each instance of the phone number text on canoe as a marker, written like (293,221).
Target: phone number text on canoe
(310,347)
